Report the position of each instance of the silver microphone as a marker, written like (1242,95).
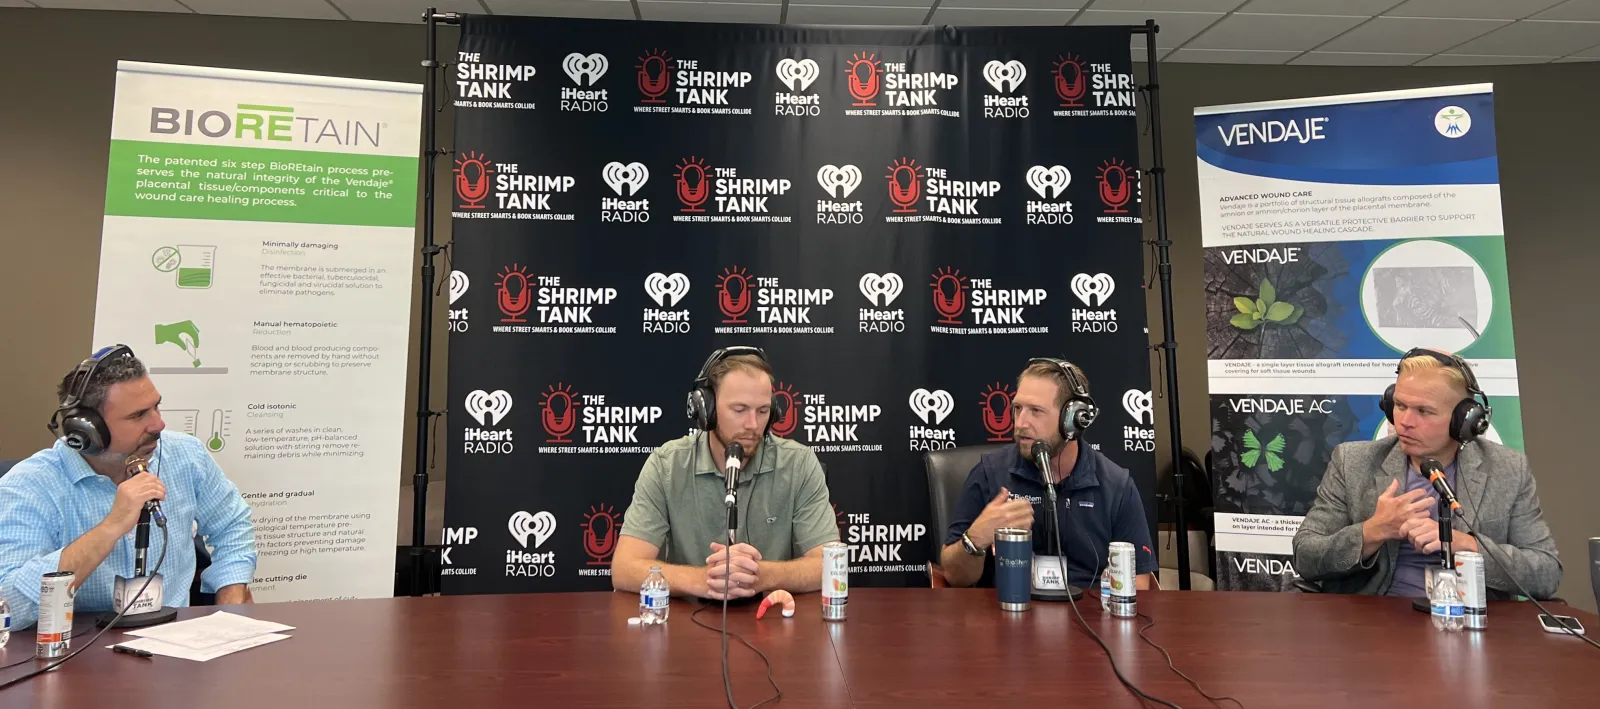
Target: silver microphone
(133,465)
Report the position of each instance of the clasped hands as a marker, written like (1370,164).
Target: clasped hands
(1408,517)
(732,572)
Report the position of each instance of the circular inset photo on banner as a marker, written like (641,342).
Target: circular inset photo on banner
(1426,293)
(1386,430)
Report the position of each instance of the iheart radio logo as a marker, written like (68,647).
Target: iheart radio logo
(798,75)
(489,409)
(1005,77)
(1139,406)
(625,179)
(458,285)
(579,67)
(667,291)
(1093,290)
(839,181)
(1049,181)
(888,285)
(932,406)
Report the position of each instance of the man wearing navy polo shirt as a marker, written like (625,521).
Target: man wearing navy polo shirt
(1098,501)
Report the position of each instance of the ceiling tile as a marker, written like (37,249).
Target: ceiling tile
(15,3)
(150,5)
(920,4)
(1409,35)
(1572,10)
(709,12)
(1357,59)
(1230,56)
(1176,27)
(601,9)
(847,15)
(1000,18)
(1534,39)
(403,11)
(1469,9)
(1069,6)
(1167,5)
(1319,7)
(307,9)
(1284,32)
(1570,60)
(1479,60)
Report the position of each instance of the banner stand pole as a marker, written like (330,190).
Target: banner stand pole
(1169,344)
(419,477)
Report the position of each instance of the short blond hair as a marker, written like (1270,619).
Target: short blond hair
(1422,364)
(1052,372)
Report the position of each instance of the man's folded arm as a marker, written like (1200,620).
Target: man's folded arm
(1329,542)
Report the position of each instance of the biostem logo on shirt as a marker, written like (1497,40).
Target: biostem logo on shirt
(249,121)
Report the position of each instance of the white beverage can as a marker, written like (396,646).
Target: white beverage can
(1469,568)
(1120,560)
(835,580)
(55,614)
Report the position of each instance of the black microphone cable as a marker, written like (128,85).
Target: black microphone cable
(1174,668)
(1061,542)
(161,521)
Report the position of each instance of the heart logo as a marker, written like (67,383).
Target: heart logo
(798,75)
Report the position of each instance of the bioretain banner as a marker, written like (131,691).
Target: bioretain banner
(900,217)
(1339,233)
(257,255)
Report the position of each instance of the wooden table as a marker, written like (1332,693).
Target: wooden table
(900,647)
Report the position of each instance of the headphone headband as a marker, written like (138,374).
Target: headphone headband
(722,353)
(1449,360)
(702,400)
(85,430)
(86,371)
(1076,385)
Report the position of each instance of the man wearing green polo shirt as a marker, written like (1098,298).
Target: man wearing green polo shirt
(678,516)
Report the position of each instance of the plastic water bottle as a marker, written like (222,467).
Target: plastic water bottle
(5,620)
(1105,589)
(1446,606)
(653,598)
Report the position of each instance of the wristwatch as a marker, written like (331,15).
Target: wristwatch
(970,546)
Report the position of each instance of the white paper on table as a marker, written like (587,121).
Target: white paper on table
(207,631)
(160,647)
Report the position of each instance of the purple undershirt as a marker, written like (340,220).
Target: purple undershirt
(1408,570)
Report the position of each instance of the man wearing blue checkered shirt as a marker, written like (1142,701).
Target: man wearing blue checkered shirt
(66,510)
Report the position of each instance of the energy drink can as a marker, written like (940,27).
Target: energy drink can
(1469,567)
(55,614)
(1120,561)
(835,580)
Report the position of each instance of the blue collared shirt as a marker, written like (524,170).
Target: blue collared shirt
(1098,504)
(51,499)
(1409,576)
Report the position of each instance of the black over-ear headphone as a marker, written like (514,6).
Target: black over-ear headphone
(81,427)
(702,402)
(1470,418)
(1080,411)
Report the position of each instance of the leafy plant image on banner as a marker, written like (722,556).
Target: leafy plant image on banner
(1274,310)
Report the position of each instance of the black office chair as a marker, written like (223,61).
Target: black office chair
(202,557)
(947,471)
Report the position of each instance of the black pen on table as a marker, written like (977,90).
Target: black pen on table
(132,651)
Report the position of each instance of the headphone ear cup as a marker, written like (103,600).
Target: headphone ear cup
(1386,404)
(1468,421)
(780,408)
(702,413)
(85,432)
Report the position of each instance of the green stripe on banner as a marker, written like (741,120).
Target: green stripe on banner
(189,181)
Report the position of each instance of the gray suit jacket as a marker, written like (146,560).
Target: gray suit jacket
(1493,484)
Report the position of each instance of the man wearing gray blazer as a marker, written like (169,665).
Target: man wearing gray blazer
(1373,527)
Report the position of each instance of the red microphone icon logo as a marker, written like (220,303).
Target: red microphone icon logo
(600,534)
(1115,187)
(558,425)
(655,75)
(694,185)
(735,297)
(1070,82)
(949,295)
(865,78)
(472,179)
(791,410)
(905,185)
(996,405)
(512,293)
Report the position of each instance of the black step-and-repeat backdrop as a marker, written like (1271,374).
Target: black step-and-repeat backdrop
(900,217)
